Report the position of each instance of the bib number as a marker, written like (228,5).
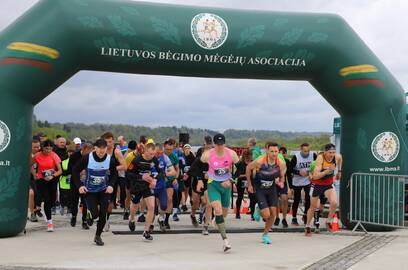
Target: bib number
(221,171)
(266,184)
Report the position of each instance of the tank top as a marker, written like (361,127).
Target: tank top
(65,180)
(220,168)
(267,174)
(327,179)
(302,164)
(97,174)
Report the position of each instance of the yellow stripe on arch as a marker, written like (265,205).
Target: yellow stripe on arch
(34,48)
(358,69)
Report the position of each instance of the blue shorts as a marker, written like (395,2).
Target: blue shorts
(282,191)
(161,194)
(319,190)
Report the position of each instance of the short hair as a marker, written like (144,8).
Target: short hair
(47,143)
(143,139)
(150,146)
(107,135)
(329,147)
(170,141)
(35,141)
(159,146)
(252,141)
(87,145)
(304,145)
(132,145)
(283,149)
(271,144)
(71,148)
(247,154)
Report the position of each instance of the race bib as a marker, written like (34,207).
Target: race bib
(266,184)
(97,180)
(47,173)
(221,171)
(186,169)
(244,183)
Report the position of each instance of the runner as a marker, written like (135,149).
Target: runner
(322,183)
(65,183)
(300,164)
(34,201)
(270,172)
(255,149)
(283,192)
(78,143)
(100,178)
(188,159)
(172,184)
(129,156)
(242,183)
(122,145)
(143,173)
(116,155)
(86,148)
(48,169)
(220,160)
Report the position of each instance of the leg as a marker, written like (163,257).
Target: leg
(240,197)
(170,192)
(149,201)
(297,192)
(314,203)
(332,198)
(103,201)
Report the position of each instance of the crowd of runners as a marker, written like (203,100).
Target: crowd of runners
(153,182)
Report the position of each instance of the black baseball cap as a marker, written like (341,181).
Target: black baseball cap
(219,139)
(100,143)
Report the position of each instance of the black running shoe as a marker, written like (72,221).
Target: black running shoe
(295,222)
(162,226)
(184,208)
(284,223)
(73,221)
(85,226)
(98,241)
(237,216)
(132,225)
(38,213)
(146,236)
(194,221)
(141,219)
(126,215)
(276,223)
(167,225)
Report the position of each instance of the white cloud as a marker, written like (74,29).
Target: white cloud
(160,100)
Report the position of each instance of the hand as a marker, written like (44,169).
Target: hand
(83,190)
(153,184)
(338,176)
(226,184)
(146,177)
(250,189)
(206,176)
(200,185)
(280,184)
(109,190)
(303,172)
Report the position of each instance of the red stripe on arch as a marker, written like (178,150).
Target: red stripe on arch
(363,82)
(26,62)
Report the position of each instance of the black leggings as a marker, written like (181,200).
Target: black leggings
(297,197)
(252,199)
(93,200)
(75,196)
(120,183)
(48,191)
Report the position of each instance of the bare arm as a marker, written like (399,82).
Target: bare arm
(249,168)
(59,170)
(121,160)
(339,162)
(234,157)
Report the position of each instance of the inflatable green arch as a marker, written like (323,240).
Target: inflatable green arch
(58,38)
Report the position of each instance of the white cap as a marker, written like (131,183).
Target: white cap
(77,141)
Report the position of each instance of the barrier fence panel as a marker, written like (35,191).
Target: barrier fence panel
(377,199)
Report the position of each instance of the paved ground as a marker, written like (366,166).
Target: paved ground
(72,248)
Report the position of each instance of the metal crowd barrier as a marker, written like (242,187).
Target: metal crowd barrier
(377,199)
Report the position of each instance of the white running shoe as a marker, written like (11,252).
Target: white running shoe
(226,246)
(107,226)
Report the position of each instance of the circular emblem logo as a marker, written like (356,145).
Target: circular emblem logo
(385,147)
(209,31)
(5,136)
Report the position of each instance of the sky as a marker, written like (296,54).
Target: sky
(380,23)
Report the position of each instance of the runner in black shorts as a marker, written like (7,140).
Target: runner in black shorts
(242,183)
(283,192)
(270,171)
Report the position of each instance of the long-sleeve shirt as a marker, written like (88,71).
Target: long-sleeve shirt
(83,164)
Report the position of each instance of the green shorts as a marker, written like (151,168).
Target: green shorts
(216,192)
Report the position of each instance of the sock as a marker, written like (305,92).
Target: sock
(174,211)
(167,218)
(49,221)
(219,220)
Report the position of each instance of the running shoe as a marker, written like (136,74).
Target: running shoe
(226,246)
(147,237)
(73,221)
(205,230)
(266,239)
(194,221)
(175,218)
(85,226)
(257,213)
(126,215)
(162,226)
(277,221)
(89,218)
(237,216)
(38,213)
(132,225)
(98,241)
(284,223)
(167,225)
(308,231)
(184,208)
(33,218)
(316,230)
(141,218)
(107,226)
(50,227)
(295,222)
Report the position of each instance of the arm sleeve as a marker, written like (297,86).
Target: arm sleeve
(293,162)
(314,156)
(78,168)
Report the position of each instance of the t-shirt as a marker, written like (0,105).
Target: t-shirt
(175,161)
(256,152)
(46,164)
(129,158)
